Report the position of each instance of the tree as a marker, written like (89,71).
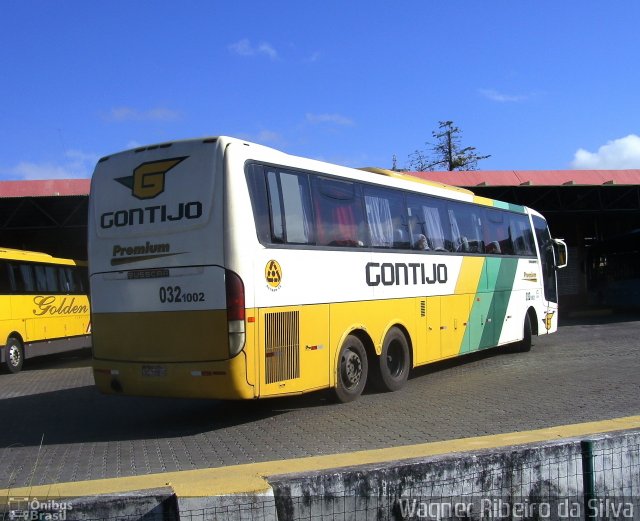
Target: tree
(446,153)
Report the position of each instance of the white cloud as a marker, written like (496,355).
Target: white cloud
(265,137)
(269,137)
(501,97)
(77,165)
(618,154)
(120,114)
(314,57)
(245,48)
(336,119)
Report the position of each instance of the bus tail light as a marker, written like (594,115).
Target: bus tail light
(235,312)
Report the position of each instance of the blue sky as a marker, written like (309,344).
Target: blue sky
(545,84)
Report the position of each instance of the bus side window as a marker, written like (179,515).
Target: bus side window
(497,233)
(25,279)
(259,202)
(338,213)
(428,217)
(66,280)
(275,207)
(51,274)
(41,279)
(80,280)
(289,202)
(466,228)
(5,279)
(386,218)
(521,234)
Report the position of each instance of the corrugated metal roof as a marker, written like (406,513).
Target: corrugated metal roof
(532,177)
(44,188)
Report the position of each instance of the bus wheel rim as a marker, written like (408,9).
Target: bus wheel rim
(351,369)
(14,355)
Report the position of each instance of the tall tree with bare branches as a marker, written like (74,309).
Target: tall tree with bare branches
(446,153)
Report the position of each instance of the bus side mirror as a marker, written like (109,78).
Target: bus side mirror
(561,249)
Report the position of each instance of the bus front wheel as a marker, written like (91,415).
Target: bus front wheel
(14,355)
(394,362)
(353,368)
(525,344)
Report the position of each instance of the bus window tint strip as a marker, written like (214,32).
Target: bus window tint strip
(300,208)
(31,278)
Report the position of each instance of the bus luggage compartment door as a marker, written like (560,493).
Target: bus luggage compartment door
(293,349)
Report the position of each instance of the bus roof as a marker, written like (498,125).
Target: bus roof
(442,189)
(35,256)
(400,175)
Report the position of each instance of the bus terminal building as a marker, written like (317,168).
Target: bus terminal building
(597,212)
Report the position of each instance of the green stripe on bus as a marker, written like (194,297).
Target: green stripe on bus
(490,303)
(502,294)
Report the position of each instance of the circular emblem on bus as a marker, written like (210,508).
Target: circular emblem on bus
(273,274)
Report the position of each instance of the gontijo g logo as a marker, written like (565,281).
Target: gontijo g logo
(147,180)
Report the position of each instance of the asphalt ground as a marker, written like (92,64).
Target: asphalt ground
(57,428)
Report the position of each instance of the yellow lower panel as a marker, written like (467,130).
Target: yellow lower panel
(219,380)
(173,336)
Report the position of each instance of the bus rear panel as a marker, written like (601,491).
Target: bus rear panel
(166,313)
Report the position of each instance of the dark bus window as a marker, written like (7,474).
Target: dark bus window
(51,274)
(521,235)
(428,223)
(25,278)
(545,244)
(338,213)
(81,279)
(497,240)
(67,283)
(5,278)
(466,227)
(290,205)
(275,207)
(259,202)
(41,278)
(386,218)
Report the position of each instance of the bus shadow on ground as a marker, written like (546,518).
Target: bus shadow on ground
(83,415)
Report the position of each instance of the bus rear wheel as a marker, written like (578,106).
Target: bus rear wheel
(14,355)
(353,369)
(394,362)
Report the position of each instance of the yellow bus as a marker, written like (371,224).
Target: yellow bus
(45,307)
(224,269)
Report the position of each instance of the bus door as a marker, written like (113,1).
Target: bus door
(548,271)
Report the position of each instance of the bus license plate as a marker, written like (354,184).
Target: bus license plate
(154,370)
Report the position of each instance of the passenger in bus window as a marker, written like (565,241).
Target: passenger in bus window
(421,243)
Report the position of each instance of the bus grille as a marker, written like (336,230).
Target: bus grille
(282,346)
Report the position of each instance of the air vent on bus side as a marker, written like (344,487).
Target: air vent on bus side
(282,346)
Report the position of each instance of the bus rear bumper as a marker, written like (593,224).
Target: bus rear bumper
(223,380)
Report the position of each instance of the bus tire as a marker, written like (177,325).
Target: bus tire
(525,344)
(352,370)
(14,355)
(394,362)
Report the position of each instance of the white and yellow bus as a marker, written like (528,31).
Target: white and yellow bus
(45,307)
(224,269)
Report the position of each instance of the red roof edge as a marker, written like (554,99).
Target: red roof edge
(45,188)
(469,179)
